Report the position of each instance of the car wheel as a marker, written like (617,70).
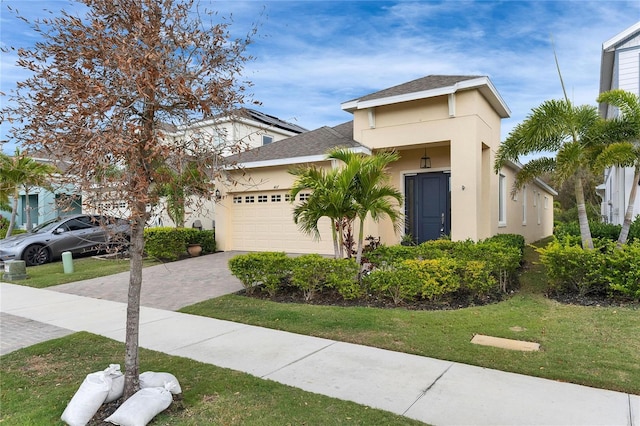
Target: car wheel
(36,255)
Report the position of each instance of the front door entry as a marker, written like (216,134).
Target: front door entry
(427,206)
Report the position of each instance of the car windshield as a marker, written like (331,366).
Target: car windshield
(47,226)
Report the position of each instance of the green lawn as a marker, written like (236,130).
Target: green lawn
(51,274)
(37,382)
(594,346)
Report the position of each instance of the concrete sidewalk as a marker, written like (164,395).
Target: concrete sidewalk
(433,391)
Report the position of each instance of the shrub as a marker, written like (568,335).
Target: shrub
(438,276)
(387,255)
(572,269)
(398,281)
(477,278)
(599,230)
(511,240)
(205,238)
(623,270)
(309,273)
(342,275)
(164,243)
(267,268)
(168,243)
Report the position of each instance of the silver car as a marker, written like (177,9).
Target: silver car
(77,234)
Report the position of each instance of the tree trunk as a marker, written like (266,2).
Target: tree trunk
(334,235)
(27,209)
(628,216)
(14,212)
(583,220)
(360,242)
(131,360)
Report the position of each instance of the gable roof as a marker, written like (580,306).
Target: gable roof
(428,87)
(609,48)
(306,147)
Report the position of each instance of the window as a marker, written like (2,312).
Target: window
(266,139)
(304,197)
(538,206)
(249,199)
(237,199)
(263,198)
(276,198)
(287,197)
(502,197)
(524,205)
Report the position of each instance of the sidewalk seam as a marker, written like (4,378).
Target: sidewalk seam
(298,360)
(424,392)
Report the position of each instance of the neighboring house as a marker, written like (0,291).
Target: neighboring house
(245,129)
(620,69)
(43,203)
(446,130)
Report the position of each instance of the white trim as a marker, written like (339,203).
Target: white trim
(621,36)
(502,200)
(481,83)
(292,160)
(452,105)
(372,118)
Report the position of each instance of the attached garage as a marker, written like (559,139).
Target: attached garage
(263,221)
(255,212)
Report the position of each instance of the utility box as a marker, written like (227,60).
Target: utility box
(15,270)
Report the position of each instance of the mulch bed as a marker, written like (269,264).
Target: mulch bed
(330,297)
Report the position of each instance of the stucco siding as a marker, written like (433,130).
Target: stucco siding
(529,211)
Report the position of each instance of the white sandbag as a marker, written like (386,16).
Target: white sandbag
(142,407)
(151,379)
(117,382)
(87,399)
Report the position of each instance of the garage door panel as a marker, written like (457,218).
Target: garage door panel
(269,226)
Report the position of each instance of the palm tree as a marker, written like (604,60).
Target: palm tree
(22,172)
(328,199)
(624,149)
(559,127)
(367,185)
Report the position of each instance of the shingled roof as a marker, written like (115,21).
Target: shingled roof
(313,143)
(429,82)
(430,86)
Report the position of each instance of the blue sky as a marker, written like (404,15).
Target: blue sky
(313,55)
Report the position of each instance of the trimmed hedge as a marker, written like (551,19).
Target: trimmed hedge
(604,271)
(166,243)
(439,271)
(607,231)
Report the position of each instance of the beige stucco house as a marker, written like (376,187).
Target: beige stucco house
(446,130)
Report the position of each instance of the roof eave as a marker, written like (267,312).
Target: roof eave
(482,83)
(292,160)
(517,167)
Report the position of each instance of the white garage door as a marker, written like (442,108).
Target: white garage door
(263,221)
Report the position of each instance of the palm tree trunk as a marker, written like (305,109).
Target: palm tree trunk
(27,209)
(14,212)
(334,235)
(360,242)
(583,220)
(628,216)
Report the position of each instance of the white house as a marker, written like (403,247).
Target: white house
(620,69)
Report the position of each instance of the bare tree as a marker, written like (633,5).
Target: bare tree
(106,86)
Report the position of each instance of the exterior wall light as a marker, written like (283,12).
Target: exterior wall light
(425,162)
(218,195)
